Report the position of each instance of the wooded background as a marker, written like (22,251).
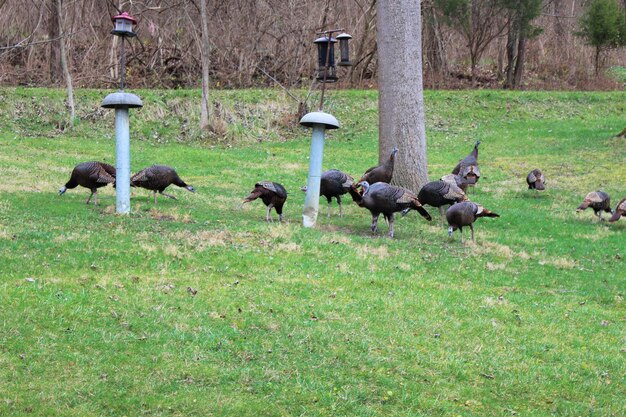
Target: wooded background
(250,37)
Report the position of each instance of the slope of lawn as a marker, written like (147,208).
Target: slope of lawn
(199,307)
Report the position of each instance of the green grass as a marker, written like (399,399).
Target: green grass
(96,317)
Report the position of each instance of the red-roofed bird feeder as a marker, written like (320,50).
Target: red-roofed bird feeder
(124,25)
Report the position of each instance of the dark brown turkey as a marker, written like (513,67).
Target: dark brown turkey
(536,180)
(157,178)
(465,214)
(599,201)
(620,210)
(439,194)
(381,173)
(467,167)
(334,183)
(92,175)
(382,198)
(272,194)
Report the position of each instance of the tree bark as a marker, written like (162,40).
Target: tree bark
(63,57)
(54,69)
(436,51)
(205,50)
(519,62)
(401,101)
(511,42)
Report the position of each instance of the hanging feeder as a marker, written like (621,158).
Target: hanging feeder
(344,49)
(326,69)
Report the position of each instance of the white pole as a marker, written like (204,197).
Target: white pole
(122,160)
(312,199)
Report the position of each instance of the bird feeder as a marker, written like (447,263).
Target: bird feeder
(326,70)
(320,121)
(121,102)
(124,25)
(344,49)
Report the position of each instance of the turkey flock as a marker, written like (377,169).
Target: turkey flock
(373,192)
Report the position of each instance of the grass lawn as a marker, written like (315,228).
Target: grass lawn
(98,315)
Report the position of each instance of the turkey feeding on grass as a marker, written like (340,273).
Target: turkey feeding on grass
(599,201)
(467,168)
(92,175)
(381,198)
(272,194)
(381,173)
(439,194)
(620,210)
(157,178)
(465,214)
(536,180)
(456,180)
(334,183)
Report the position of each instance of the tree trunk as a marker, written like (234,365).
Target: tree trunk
(519,62)
(63,56)
(511,41)
(205,50)
(597,60)
(54,68)
(436,48)
(401,101)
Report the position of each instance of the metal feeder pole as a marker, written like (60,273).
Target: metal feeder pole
(319,121)
(121,102)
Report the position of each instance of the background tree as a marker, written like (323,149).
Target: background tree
(205,53)
(603,25)
(63,60)
(401,101)
(275,35)
(478,21)
(520,15)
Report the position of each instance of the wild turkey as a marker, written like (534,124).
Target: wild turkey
(387,199)
(334,183)
(465,214)
(536,180)
(157,178)
(456,180)
(272,194)
(620,210)
(439,194)
(92,175)
(381,173)
(467,167)
(599,201)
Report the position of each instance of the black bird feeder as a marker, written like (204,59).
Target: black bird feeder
(344,49)
(326,70)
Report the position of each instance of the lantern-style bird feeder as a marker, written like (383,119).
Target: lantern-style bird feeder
(121,102)
(326,70)
(344,49)
(124,25)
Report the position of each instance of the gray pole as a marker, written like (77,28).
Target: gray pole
(122,160)
(312,198)
(121,102)
(319,121)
